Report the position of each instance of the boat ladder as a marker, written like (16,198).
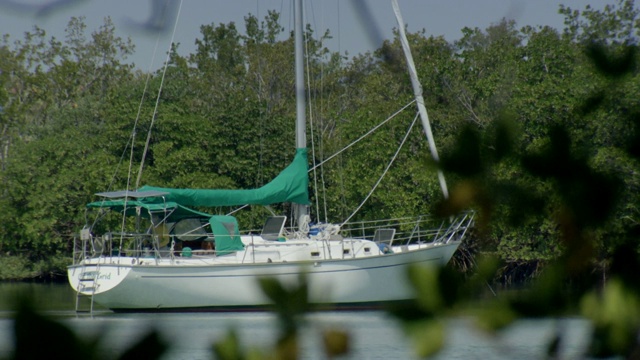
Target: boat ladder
(88,280)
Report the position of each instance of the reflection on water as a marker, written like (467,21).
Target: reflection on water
(45,296)
(373,334)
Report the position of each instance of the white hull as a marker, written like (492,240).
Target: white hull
(157,285)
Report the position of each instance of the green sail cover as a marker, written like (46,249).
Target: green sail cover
(227,235)
(291,185)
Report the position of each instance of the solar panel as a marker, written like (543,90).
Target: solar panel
(132,194)
(273,227)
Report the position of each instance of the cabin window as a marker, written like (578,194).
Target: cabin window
(367,249)
(315,253)
(190,229)
(345,251)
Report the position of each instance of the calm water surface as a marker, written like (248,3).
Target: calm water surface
(373,334)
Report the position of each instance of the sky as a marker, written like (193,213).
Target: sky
(133,19)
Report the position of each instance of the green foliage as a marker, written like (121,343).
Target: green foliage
(53,267)
(50,154)
(20,267)
(15,268)
(583,197)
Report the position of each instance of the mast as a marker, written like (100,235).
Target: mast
(417,90)
(300,210)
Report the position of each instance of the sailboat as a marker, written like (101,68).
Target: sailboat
(171,257)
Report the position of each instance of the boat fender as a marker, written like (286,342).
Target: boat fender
(385,249)
(325,231)
(333,229)
(186,252)
(305,224)
(314,231)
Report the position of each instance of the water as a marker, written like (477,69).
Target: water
(373,335)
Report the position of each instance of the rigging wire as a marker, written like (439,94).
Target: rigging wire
(364,136)
(406,136)
(320,145)
(259,177)
(340,139)
(135,124)
(372,130)
(155,109)
(323,107)
(131,141)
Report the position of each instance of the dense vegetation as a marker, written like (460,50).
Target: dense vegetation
(534,125)
(538,132)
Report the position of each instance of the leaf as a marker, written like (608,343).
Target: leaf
(610,65)
(336,342)
(494,316)
(151,346)
(465,159)
(52,337)
(287,347)
(553,348)
(425,281)
(288,302)
(427,336)
(229,347)
(615,313)
(545,297)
